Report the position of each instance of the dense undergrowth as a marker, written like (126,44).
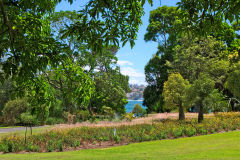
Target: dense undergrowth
(70,138)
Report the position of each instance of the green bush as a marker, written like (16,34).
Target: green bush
(4,148)
(138,110)
(54,120)
(189,131)
(13,109)
(28,120)
(177,132)
(129,116)
(32,148)
(83,115)
(108,111)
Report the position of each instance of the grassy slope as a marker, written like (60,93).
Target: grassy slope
(216,146)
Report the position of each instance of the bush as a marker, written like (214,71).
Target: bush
(54,120)
(28,120)
(138,110)
(13,109)
(189,131)
(107,111)
(83,115)
(32,148)
(129,116)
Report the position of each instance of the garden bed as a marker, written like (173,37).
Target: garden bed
(64,139)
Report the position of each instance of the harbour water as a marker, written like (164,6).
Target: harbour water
(129,106)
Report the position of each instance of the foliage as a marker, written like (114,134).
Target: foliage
(175,92)
(216,102)
(77,137)
(233,83)
(194,56)
(13,110)
(6,91)
(129,116)
(82,115)
(109,92)
(206,16)
(138,110)
(27,33)
(107,111)
(28,120)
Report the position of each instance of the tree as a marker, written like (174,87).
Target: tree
(163,29)
(174,93)
(195,56)
(28,46)
(233,83)
(199,91)
(108,92)
(205,16)
(155,75)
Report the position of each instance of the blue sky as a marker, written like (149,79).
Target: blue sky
(131,61)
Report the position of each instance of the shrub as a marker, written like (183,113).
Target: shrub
(189,131)
(54,120)
(3,148)
(138,110)
(129,116)
(107,111)
(13,109)
(32,148)
(83,115)
(177,132)
(28,120)
(76,143)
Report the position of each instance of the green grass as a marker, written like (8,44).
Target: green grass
(222,146)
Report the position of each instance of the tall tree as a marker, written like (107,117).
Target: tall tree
(162,29)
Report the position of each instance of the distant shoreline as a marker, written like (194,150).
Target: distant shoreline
(134,100)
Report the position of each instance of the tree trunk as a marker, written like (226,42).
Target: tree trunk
(181,112)
(26,136)
(232,105)
(90,107)
(200,113)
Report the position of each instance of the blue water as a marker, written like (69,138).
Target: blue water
(131,103)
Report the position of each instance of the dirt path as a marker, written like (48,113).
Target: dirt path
(148,119)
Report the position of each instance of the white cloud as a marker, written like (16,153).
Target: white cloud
(131,72)
(124,63)
(138,81)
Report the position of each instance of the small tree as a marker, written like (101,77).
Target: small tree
(174,92)
(199,91)
(138,110)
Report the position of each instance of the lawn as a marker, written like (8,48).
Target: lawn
(212,147)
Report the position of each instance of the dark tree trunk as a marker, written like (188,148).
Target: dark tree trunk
(200,113)
(232,105)
(26,136)
(181,112)
(90,107)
